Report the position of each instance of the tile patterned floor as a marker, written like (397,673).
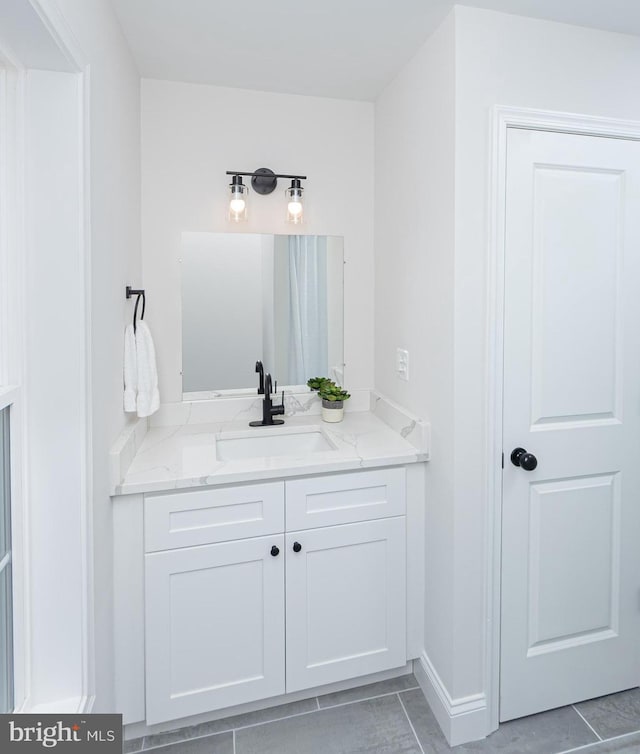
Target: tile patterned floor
(392,717)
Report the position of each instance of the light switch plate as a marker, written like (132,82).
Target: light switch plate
(402,364)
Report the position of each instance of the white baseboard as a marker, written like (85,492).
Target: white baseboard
(462,720)
(71,706)
(87,705)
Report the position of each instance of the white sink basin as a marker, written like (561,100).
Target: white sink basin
(233,447)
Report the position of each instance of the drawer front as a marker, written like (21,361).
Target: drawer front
(345,498)
(203,517)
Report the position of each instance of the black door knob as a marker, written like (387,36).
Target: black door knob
(275,551)
(526,461)
(297,547)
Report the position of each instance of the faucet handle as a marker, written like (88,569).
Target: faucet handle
(260,371)
(275,387)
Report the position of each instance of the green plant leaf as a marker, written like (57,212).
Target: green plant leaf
(332,392)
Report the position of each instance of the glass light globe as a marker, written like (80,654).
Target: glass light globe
(237,205)
(294,208)
(238,200)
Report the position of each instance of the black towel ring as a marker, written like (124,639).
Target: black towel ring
(140,294)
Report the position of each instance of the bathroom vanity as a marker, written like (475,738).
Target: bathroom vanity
(252,565)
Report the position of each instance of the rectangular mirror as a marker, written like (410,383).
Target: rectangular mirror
(249,297)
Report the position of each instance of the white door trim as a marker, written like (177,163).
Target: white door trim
(12,235)
(503,118)
(57,27)
(63,36)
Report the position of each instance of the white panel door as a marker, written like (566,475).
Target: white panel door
(346,595)
(571,526)
(214,626)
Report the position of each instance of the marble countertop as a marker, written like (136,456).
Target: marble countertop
(172,458)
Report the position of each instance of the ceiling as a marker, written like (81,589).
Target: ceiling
(329,48)
(26,38)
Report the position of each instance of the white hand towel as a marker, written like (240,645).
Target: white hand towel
(148,399)
(130,370)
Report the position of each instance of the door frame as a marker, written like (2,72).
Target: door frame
(14,342)
(11,337)
(502,119)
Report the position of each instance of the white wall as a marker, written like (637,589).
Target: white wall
(192,134)
(114,184)
(414,297)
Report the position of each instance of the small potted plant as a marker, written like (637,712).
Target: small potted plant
(316,383)
(333,398)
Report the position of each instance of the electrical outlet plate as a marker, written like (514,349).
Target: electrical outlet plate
(402,364)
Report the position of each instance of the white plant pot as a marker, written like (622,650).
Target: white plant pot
(332,411)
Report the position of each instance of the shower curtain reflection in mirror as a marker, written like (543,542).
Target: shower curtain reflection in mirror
(308,355)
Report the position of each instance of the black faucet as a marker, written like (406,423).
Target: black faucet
(268,409)
(260,371)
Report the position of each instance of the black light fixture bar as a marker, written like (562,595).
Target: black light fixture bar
(257,174)
(264,181)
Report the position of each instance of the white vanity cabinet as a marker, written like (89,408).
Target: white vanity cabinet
(258,590)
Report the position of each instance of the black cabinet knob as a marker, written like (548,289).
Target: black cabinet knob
(526,461)
(297,547)
(275,551)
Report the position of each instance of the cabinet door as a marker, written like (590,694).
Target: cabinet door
(346,601)
(214,626)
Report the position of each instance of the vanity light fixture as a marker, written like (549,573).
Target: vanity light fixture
(264,181)
(238,202)
(295,210)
